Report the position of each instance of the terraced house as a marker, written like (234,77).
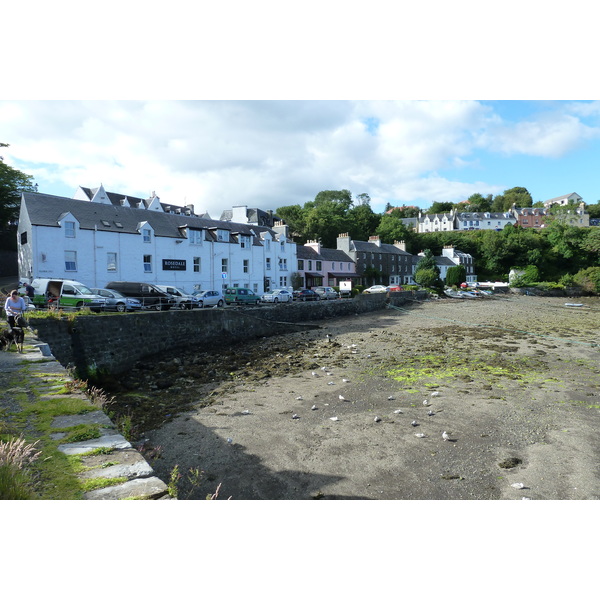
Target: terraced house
(377,262)
(323,266)
(100,236)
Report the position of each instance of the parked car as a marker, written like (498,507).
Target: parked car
(241,296)
(64,293)
(326,293)
(116,301)
(209,298)
(147,293)
(182,299)
(376,289)
(276,296)
(306,295)
(394,288)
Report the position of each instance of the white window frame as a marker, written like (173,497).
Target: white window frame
(70,229)
(147,235)
(224,265)
(195,237)
(197,264)
(70,260)
(268,264)
(246,265)
(147,258)
(111,261)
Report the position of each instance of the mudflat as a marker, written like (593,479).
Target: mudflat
(494,398)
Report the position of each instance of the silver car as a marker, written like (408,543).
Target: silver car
(276,296)
(209,298)
(116,301)
(326,293)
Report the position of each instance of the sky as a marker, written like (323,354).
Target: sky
(254,104)
(216,154)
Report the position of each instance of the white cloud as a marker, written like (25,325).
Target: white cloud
(269,154)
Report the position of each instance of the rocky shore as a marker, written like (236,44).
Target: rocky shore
(357,409)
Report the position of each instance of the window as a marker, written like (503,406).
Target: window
(319,267)
(23,238)
(245,241)
(333,266)
(69,229)
(310,265)
(267,244)
(283,282)
(147,263)
(147,235)
(268,265)
(283,264)
(111,261)
(283,246)
(222,235)
(255,288)
(246,264)
(70,260)
(196,264)
(224,264)
(300,265)
(195,236)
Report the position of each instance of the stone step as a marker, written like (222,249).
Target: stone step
(105,441)
(150,488)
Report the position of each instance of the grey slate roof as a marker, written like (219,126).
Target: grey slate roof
(372,247)
(334,254)
(308,253)
(46,210)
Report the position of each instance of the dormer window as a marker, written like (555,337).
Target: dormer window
(195,236)
(245,241)
(70,229)
(147,235)
(222,235)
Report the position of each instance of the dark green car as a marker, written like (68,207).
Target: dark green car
(241,296)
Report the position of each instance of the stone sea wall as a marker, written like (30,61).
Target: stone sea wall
(113,343)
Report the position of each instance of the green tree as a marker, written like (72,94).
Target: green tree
(519,196)
(427,273)
(456,275)
(12,184)
(362,222)
(440,207)
(391,229)
(295,218)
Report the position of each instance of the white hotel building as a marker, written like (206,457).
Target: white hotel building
(98,236)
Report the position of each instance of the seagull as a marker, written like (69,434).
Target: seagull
(299,398)
(313,407)
(345,380)
(245,412)
(398,412)
(329,374)
(331,383)
(434,394)
(229,441)
(430,413)
(518,486)
(314,374)
(425,402)
(391,397)
(414,423)
(445,437)
(295,417)
(341,397)
(333,419)
(420,435)
(323,368)
(377,419)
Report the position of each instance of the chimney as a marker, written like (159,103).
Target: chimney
(374,239)
(401,245)
(343,242)
(239,214)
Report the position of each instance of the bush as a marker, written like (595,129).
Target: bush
(588,279)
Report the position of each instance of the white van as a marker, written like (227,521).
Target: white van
(65,293)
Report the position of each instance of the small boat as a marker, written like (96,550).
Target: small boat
(572,304)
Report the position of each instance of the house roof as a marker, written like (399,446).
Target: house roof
(332,254)
(372,247)
(45,210)
(481,216)
(307,253)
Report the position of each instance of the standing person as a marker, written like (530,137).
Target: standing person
(14,307)
(29,290)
